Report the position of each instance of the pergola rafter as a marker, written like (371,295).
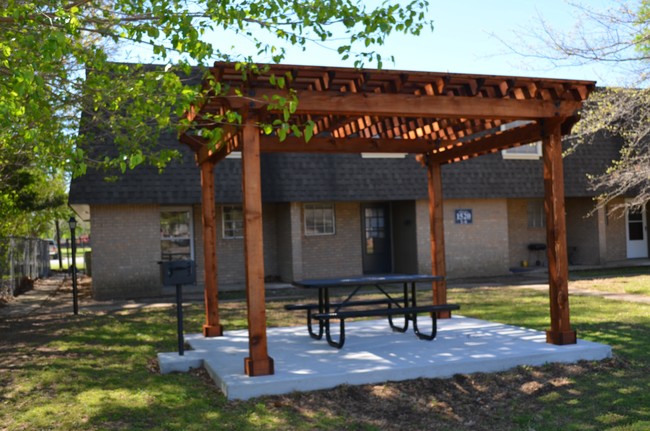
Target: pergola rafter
(442,117)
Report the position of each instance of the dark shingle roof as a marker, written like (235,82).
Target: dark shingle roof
(492,176)
(346,177)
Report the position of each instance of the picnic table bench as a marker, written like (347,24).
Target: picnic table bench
(389,305)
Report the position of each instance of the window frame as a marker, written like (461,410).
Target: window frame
(515,153)
(311,206)
(188,209)
(535,214)
(224,221)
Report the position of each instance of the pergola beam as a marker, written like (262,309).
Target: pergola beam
(202,152)
(229,141)
(499,141)
(408,105)
(271,144)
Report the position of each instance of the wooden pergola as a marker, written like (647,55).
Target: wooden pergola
(441,117)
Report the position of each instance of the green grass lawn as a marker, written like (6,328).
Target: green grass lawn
(66,258)
(97,372)
(54,264)
(629,280)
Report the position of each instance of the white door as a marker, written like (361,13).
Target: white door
(637,233)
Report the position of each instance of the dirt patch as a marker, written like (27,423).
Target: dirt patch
(84,287)
(474,402)
(481,401)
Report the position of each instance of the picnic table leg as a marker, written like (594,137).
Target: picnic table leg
(324,307)
(328,335)
(414,318)
(434,327)
(312,334)
(405,302)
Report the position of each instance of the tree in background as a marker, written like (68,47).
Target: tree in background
(619,36)
(55,68)
(29,201)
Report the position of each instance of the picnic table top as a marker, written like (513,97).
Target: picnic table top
(366,280)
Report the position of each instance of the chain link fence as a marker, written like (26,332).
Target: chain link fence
(22,260)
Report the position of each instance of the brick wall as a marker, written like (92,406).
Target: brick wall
(480,248)
(520,235)
(289,241)
(339,254)
(126,241)
(582,232)
(126,249)
(616,233)
(230,251)
(583,237)
(476,249)
(423,237)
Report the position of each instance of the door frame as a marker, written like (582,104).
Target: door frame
(636,249)
(388,263)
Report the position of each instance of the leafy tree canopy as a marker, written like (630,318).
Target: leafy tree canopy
(55,64)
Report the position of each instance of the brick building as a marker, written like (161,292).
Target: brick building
(344,214)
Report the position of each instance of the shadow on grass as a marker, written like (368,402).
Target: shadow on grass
(60,372)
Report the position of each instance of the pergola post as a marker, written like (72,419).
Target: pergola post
(556,243)
(211,328)
(258,363)
(437,238)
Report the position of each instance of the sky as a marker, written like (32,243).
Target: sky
(468,37)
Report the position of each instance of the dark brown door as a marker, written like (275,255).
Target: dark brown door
(375,227)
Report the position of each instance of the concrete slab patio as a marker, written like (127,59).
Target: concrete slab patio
(372,354)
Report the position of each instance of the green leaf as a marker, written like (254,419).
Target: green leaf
(135,160)
(282,133)
(309,130)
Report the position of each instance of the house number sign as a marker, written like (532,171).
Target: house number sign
(463,216)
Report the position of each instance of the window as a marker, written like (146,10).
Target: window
(375,227)
(176,240)
(536,216)
(232,221)
(319,219)
(525,152)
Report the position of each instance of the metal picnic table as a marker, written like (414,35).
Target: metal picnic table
(404,304)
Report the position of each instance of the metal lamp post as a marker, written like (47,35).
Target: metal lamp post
(75,303)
